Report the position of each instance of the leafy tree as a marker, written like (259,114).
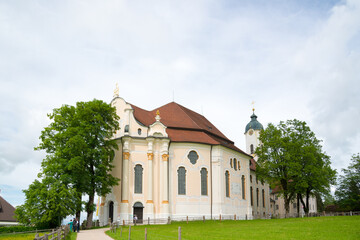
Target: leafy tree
(348,189)
(290,156)
(47,203)
(274,161)
(315,174)
(80,149)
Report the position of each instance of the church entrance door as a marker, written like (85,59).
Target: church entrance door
(138,211)
(111,211)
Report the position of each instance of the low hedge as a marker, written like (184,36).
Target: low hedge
(19,228)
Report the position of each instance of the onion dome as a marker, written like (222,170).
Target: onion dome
(253,124)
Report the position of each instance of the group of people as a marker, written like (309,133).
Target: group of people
(75,225)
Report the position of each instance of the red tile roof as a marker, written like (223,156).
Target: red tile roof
(185,125)
(7,211)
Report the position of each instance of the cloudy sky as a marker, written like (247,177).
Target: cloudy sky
(295,59)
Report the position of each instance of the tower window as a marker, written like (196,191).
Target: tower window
(251,148)
(235,164)
(139,131)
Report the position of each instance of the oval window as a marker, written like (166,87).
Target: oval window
(193,157)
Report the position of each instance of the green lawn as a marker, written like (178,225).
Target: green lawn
(341,227)
(29,236)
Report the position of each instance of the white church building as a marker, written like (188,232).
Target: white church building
(174,163)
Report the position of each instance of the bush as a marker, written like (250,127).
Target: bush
(11,229)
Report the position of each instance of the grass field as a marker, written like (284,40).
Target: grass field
(28,236)
(342,227)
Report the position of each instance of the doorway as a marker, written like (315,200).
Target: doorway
(138,211)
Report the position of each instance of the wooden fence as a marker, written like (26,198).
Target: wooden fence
(56,234)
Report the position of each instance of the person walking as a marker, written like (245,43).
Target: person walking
(78,225)
(71,224)
(74,225)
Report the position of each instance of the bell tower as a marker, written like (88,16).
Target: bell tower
(252,133)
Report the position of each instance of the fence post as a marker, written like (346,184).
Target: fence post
(145,234)
(245,216)
(234,216)
(148,221)
(179,233)
(187,219)
(46,237)
(203,218)
(123,222)
(129,232)
(169,220)
(220,218)
(350,213)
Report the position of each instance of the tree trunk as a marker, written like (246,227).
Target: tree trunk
(305,205)
(298,205)
(307,202)
(78,206)
(287,203)
(90,211)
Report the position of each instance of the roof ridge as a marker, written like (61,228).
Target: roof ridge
(182,108)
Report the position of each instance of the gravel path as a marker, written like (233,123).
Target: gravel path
(94,234)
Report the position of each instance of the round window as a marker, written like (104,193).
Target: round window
(193,157)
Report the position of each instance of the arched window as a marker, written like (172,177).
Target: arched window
(243,186)
(203,173)
(235,164)
(251,196)
(138,178)
(139,131)
(250,178)
(263,197)
(238,165)
(227,183)
(257,197)
(181,181)
(231,162)
(251,148)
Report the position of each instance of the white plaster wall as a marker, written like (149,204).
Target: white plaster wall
(193,203)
